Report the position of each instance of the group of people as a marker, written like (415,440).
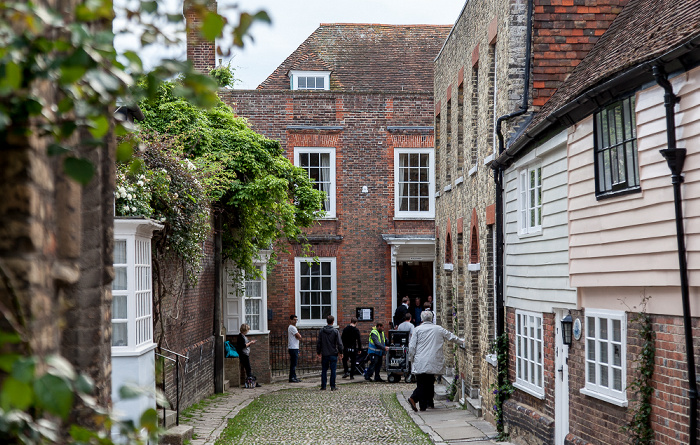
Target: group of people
(425,354)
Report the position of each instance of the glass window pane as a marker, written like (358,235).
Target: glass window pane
(120,251)
(316,312)
(603,352)
(305,283)
(302,82)
(305,313)
(617,357)
(424,204)
(120,282)
(306,298)
(314,269)
(315,283)
(326,283)
(326,312)
(325,298)
(603,328)
(403,204)
(320,82)
(413,204)
(591,350)
(425,161)
(591,372)
(119,303)
(616,333)
(326,268)
(304,268)
(315,298)
(604,377)
(617,379)
(590,327)
(119,334)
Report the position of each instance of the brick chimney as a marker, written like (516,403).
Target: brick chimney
(200,51)
(563,33)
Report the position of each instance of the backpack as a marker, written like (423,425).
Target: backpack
(230,350)
(250,382)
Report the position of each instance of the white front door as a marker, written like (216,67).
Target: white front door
(561,386)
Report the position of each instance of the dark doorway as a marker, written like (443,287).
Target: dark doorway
(415,279)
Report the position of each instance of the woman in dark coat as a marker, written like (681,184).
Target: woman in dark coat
(243,346)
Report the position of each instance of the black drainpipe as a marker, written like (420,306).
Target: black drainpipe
(675,158)
(498,177)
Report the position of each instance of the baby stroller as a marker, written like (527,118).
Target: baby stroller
(397,365)
(361,361)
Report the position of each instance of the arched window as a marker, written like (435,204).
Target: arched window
(448,249)
(474,247)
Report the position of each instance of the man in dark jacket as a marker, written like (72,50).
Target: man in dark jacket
(328,346)
(352,344)
(400,313)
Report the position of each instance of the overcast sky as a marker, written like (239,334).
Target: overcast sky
(293,21)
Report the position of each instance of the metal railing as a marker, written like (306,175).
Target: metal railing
(177,380)
(308,363)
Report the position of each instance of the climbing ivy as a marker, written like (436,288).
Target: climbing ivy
(639,426)
(505,390)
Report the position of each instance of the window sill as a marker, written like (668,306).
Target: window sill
(474,267)
(459,180)
(492,360)
(437,194)
(613,194)
(447,188)
(126,351)
(253,333)
(313,324)
(530,234)
(489,159)
(448,266)
(604,397)
(472,171)
(414,218)
(528,390)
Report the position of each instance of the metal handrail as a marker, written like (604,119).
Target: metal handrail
(177,381)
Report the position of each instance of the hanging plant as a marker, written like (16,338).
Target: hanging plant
(503,391)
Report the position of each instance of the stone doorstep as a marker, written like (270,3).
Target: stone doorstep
(177,435)
(473,406)
(170,418)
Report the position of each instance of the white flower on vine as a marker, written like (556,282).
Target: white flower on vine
(140,183)
(121,190)
(129,197)
(125,209)
(190,165)
(133,209)
(162,219)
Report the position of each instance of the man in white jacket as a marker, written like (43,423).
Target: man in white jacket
(425,354)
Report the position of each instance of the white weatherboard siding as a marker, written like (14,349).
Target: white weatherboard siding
(536,265)
(629,242)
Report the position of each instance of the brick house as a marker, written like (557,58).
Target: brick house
(353,105)
(623,251)
(502,61)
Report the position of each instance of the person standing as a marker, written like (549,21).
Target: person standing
(401,311)
(377,347)
(293,338)
(243,345)
(425,354)
(417,310)
(352,344)
(329,345)
(407,325)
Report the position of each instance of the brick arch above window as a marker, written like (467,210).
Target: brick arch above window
(474,239)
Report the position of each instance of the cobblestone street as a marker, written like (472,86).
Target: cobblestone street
(358,413)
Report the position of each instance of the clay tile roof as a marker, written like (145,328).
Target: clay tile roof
(644,30)
(365,57)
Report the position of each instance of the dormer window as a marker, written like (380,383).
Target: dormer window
(309,80)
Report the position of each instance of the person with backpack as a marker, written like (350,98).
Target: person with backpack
(352,344)
(329,345)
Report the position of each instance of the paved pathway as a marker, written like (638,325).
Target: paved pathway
(344,416)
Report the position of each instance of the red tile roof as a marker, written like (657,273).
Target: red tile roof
(365,57)
(644,30)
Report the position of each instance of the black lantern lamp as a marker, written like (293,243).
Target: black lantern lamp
(566,328)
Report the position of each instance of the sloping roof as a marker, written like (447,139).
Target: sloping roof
(643,31)
(367,57)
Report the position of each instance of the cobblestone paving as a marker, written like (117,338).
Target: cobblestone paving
(358,413)
(355,414)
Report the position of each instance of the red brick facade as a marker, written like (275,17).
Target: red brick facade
(356,125)
(564,32)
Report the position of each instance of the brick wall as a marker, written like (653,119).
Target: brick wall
(200,51)
(593,421)
(364,157)
(564,32)
(184,318)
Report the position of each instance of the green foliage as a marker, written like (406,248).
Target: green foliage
(166,186)
(223,75)
(452,389)
(261,196)
(505,390)
(639,426)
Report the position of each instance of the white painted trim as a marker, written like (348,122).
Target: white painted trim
(448,266)
(603,397)
(459,180)
(331,212)
(297,285)
(447,188)
(617,397)
(294,76)
(489,159)
(529,390)
(432,193)
(472,171)
(474,267)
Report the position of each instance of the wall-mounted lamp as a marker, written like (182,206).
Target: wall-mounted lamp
(566,329)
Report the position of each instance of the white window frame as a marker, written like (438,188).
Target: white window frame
(125,293)
(594,345)
(262,266)
(527,363)
(430,213)
(330,212)
(294,76)
(297,290)
(525,205)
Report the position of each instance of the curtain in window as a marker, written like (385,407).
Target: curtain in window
(403,182)
(325,179)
